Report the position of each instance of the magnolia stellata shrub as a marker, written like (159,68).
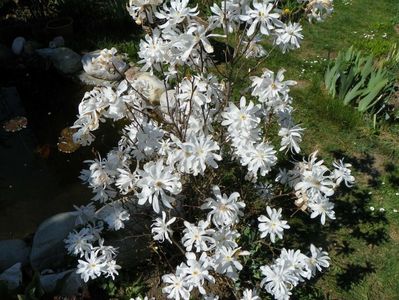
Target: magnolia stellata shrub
(187,117)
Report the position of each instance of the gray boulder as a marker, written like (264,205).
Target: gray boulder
(48,248)
(12,276)
(68,283)
(12,252)
(66,60)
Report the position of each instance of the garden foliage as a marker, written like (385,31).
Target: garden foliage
(355,79)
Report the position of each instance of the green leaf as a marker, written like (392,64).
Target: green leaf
(347,81)
(349,54)
(377,77)
(330,79)
(353,93)
(367,102)
(367,68)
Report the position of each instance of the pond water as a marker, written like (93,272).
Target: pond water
(36,180)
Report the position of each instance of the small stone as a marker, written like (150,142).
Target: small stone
(131,73)
(18,45)
(57,42)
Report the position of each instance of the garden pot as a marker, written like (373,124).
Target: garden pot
(60,27)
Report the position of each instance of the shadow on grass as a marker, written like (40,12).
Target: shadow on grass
(345,248)
(373,236)
(353,274)
(353,212)
(393,173)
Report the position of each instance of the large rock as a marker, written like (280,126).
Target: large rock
(48,248)
(12,276)
(64,59)
(67,283)
(111,72)
(12,252)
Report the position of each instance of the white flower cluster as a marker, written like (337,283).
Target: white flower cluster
(291,268)
(215,249)
(181,121)
(318,9)
(314,184)
(183,35)
(106,61)
(97,260)
(142,10)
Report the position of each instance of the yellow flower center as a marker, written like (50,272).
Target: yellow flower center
(158,184)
